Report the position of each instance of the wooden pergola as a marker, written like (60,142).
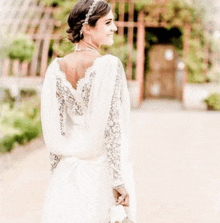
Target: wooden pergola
(34,19)
(29,17)
(153,20)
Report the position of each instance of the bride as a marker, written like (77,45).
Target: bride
(85,114)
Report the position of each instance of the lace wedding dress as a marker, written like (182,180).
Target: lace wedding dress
(86,132)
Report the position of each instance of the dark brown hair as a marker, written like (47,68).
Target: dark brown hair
(78,14)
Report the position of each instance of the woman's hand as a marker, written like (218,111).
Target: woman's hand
(121,196)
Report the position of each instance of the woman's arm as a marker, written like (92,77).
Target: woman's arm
(54,160)
(113,134)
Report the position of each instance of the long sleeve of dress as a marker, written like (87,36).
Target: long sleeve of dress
(113,132)
(54,160)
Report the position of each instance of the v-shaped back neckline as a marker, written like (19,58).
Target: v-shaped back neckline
(82,79)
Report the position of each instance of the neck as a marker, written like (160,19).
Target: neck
(85,44)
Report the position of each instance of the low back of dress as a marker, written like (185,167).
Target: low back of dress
(77,77)
(76,103)
(75,65)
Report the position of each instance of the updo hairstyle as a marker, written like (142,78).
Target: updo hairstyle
(78,14)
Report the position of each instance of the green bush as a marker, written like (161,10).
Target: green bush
(6,129)
(8,98)
(213,101)
(20,124)
(27,93)
(21,139)
(64,47)
(27,127)
(21,48)
(53,3)
(30,107)
(7,143)
(194,63)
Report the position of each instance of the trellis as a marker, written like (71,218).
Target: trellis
(147,17)
(34,19)
(31,17)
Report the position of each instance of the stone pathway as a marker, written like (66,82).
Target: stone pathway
(176,159)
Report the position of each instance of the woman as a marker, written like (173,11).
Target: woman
(85,113)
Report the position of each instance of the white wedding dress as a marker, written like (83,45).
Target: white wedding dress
(86,163)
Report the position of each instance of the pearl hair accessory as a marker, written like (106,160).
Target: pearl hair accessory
(91,7)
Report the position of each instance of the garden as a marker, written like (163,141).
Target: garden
(20,109)
(20,122)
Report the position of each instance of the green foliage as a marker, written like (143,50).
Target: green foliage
(65,47)
(178,13)
(8,129)
(121,50)
(21,139)
(141,4)
(9,99)
(194,63)
(21,48)
(178,43)
(9,116)
(30,107)
(59,3)
(29,130)
(20,124)
(65,8)
(7,143)
(150,39)
(27,93)
(213,101)
(53,3)
(180,10)
(4,43)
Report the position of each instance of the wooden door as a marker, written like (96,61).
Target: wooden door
(160,80)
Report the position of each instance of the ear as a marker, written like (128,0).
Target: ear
(87,29)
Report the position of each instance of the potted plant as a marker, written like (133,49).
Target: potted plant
(213,101)
(20,48)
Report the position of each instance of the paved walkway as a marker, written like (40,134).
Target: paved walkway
(160,105)
(176,158)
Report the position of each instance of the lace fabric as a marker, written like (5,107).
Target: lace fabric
(76,102)
(54,160)
(109,101)
(113,135)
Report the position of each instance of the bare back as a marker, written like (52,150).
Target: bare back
(75,64)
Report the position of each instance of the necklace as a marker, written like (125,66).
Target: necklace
(86,49)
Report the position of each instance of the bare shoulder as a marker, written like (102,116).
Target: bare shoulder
(75,64)
(78,61)
(84,59)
